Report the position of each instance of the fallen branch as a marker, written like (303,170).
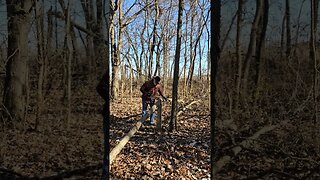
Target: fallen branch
(116,150)
(245,143)
(187,107)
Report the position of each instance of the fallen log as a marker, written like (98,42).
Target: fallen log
(116,150)
(187,107)
(244,144)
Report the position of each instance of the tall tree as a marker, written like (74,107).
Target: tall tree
(87,6)
(15,92)
(107,11)
(192,44)
(313,57)
(288,28)
(252,44)
(69,59)
(238,51)
(39,14)
(154,37)
(173,119)
(215,56)
(114,58)
(198,37)
(263,22)
(98,40)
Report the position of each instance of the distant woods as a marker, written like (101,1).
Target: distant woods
(58,45)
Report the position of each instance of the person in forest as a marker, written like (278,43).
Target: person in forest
(149,90)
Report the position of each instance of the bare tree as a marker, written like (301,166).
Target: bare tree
(198,37)
(288,28)
(114,58)
(15,97)
(116,48)
(87,6)
(238,50)
(69,58)
(173,119)
(252,44)
(298,28)
(39,13)
(192,45)
(215,7)
(263,22)
(154,35)
(313,57)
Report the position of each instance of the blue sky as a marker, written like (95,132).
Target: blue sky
(228,10)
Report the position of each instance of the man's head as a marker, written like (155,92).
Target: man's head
(156,80)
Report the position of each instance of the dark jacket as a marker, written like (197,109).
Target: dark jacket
(149,89)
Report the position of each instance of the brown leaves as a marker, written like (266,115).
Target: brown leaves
(149,155)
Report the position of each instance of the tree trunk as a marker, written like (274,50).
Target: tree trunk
(106,109)
(157,72)
(120,42)
(313,56)
(260,43)
(298,28)
(98,42)
(165,61)
(48,51)
(228,32)
(69,61)
(115,63)
(288,28)
(39,12)
(142,47)
(16,68)
(173,119)
(131,81)
(56,25)
(185,80)
(252,44)
(238,51)
(154,35)
(88,14)
(191,46)
(283,25)
(215,7)
(200,61)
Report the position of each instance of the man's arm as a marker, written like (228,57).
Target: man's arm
(160,90)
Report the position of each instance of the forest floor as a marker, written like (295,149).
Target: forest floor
(162,155)
(73,150)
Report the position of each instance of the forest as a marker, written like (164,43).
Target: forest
(240,81)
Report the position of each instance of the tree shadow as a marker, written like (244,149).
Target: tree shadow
(7,174)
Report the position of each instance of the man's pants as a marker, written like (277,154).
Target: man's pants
(145,108)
